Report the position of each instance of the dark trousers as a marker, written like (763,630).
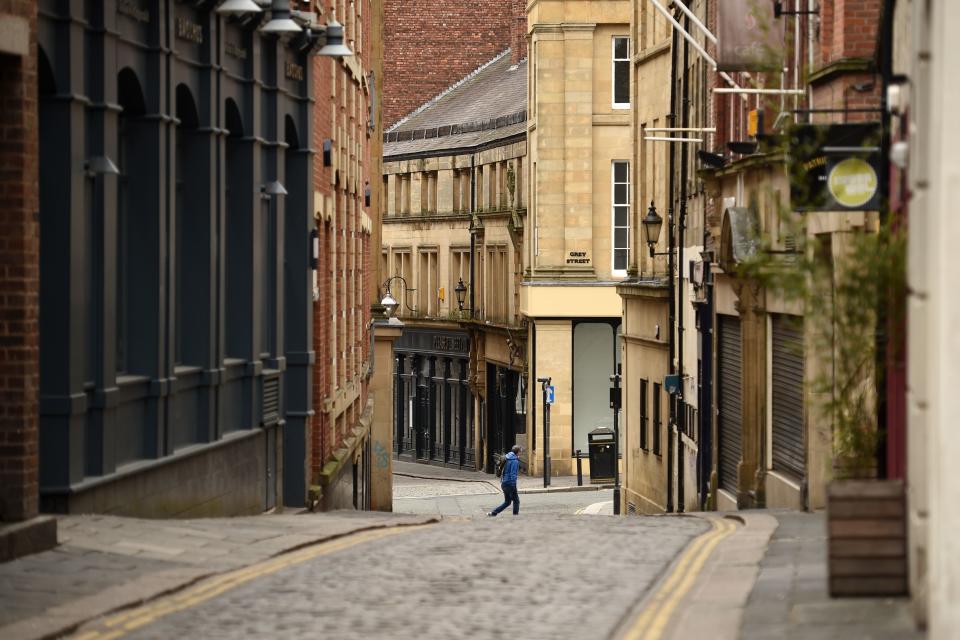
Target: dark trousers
(510,495)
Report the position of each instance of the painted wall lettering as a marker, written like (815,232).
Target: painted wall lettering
(131,9)
(191,31)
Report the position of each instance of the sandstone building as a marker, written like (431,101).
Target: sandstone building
(577,246)
(454,217)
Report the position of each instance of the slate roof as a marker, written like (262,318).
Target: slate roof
(488,105)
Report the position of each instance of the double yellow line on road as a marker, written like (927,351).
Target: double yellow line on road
(123,623)
(653,619)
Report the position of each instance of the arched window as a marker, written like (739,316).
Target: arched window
(239,280)
(192,235)
(131,232)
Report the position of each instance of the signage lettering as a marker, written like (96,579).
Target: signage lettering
(578,257)
(451,343)
(191,31)
(131,9)
(235,51)
(852,182)
(293,71)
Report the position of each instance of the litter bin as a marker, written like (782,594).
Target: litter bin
(603,455)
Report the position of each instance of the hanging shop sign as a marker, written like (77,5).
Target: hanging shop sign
(835,167)
(749,37)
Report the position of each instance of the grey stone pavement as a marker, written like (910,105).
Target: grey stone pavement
(789,599)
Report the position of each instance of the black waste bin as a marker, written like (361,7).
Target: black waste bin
(603,455)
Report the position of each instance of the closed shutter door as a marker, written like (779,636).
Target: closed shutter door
(787,360)
(728,422)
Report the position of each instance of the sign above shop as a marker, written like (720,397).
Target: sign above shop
(442,342)
(835,167)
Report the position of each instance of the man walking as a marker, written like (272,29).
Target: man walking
(508,482)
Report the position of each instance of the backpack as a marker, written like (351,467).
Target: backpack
(501,465)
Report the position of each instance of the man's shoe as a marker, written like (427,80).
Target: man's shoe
(492,514)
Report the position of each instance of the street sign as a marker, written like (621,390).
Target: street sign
(550,394)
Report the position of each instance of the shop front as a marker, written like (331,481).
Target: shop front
(434,418)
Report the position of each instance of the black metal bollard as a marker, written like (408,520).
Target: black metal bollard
(579,470)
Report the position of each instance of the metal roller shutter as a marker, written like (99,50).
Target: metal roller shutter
(730,416)
(788,449)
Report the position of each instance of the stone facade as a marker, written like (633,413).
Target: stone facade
(722,440)
(579,160)
(454,218)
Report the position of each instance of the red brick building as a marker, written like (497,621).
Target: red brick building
(430,44)
(346,176)
(19,277)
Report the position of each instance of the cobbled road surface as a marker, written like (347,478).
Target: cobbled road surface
(532,576)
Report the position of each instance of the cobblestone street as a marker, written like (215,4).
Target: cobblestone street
(541,576)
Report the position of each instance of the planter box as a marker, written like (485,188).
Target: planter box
(867,533)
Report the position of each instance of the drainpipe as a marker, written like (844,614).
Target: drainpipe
(681,406)
(473,235)
(670,263)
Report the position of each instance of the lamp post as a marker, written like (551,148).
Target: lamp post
(615,402)
(544,384)
(461,291)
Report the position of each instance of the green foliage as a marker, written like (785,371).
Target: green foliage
(851,285)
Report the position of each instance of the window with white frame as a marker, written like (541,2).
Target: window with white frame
(621,72)
(621,216)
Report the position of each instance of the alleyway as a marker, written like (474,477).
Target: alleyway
(562,569)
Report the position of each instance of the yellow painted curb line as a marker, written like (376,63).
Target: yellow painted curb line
(652,621)
(123,623)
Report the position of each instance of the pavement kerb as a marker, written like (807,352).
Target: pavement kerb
(586,487)
(48,627)
(714,606)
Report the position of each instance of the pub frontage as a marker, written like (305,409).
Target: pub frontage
(434,403)
(175,213)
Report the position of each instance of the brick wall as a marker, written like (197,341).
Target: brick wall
(19,276)
(342,311)
(430,44)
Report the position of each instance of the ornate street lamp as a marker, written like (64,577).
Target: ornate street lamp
(652,224)
(461,291)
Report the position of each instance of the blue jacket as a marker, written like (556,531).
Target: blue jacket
(510,469)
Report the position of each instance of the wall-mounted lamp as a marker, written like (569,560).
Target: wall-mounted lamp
(273,189)
(390,303)
(281,22)
(652,223)
(334,46)
(238,8)
(100,165)
(461,291)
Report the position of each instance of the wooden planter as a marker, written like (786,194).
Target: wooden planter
(867,532)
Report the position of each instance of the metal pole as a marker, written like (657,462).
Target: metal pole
(615,404)
(681,291)
(544,383)
(579,469)
(671,236)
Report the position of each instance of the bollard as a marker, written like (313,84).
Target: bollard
(579,470)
